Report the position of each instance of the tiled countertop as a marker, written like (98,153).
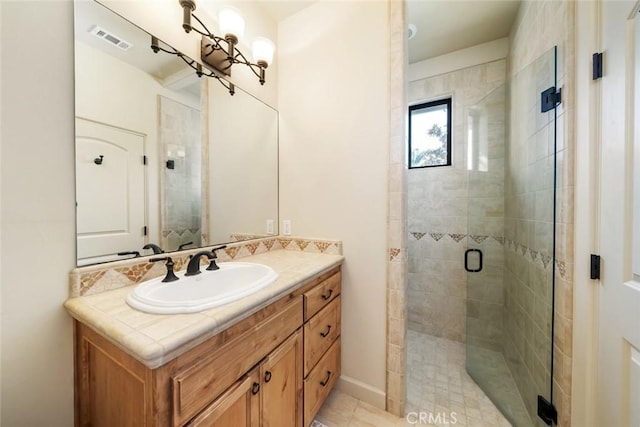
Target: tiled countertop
(155,339)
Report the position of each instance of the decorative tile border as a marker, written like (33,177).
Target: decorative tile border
(538,258)
(98,278)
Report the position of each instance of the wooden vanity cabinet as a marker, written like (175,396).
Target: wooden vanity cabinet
(258,372)
(269,396)
(322,330)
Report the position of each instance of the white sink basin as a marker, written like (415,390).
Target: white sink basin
(209,289)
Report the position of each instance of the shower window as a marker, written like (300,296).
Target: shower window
(429,135)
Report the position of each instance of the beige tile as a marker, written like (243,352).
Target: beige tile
(338,409)
(366,415)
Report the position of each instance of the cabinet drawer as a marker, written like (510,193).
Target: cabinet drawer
(320,382)
(320,332)
(315,299)
(200,384)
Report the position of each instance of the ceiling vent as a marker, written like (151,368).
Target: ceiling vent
(110,38)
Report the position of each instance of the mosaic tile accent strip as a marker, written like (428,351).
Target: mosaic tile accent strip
(284,243)
(562,269)
(98,278)
(322,246)
(478,239)
(240,237)
(252,247)
(536,257)
(436,236)
(457,237)
(302,244)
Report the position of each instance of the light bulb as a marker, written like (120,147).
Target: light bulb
(231,22)
(263,49)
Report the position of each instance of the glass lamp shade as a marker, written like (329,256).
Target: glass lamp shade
(263,49)
(231,22)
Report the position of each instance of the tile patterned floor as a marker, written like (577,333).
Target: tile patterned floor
(439,392)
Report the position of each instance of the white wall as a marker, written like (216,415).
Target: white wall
(460,59)
(243,165)
(334,135)
(38,215)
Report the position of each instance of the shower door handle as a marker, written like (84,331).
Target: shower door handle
(466,260)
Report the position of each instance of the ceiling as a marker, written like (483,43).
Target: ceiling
(166,69)
(443,26)
(281,9)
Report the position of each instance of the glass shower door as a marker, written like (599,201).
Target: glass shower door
(511,173)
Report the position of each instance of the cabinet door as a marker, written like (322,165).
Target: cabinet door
(281,375)
(238,407)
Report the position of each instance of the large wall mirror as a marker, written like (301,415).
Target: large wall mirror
(163,157)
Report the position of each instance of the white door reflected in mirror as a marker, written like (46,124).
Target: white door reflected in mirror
(110,190)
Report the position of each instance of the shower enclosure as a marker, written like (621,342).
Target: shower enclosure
(511,162)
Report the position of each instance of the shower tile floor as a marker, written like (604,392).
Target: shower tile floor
(437,385)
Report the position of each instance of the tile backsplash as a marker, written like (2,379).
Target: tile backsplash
(98,278)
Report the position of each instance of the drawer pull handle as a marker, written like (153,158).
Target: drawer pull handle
(324,334)
(326,380)
(327,296)
(267,376)
(255,389)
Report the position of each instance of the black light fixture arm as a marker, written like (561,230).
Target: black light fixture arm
(234,55)
(155,46)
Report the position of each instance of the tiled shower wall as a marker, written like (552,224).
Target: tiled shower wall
(541,25)
(180,141)
(396,234)
(438,209)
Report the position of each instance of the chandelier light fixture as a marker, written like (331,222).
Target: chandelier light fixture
(221,53)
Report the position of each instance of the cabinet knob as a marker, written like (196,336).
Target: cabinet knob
(255,389)
(267,376)
(324,334)
(327,295)
(326,380)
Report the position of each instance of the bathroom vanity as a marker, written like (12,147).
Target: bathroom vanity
(270,359)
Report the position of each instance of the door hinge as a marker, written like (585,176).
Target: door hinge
(546,411)
(597,66)
(144,230)
(144,160)
(551,98)
(595,267)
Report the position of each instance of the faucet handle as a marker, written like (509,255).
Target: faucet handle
(135,253)
(213,251)
(184,245)
(212,263)
(170,276)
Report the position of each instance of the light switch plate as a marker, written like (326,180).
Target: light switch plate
(269,226)
(286,227)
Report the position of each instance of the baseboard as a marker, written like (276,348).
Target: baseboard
(362,391)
